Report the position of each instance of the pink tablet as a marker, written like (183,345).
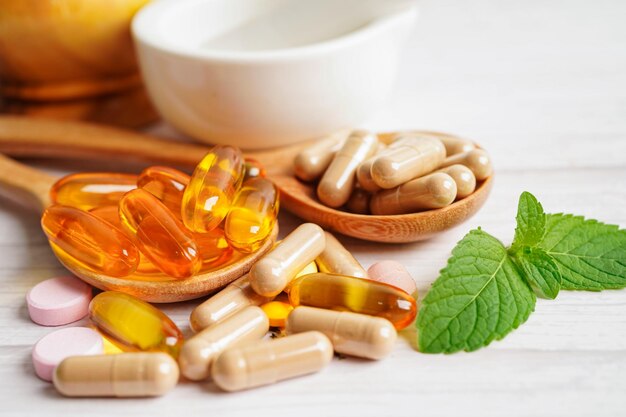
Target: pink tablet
(58,301)
(51,349)
(392,273)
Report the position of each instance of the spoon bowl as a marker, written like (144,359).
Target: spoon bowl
(32,187)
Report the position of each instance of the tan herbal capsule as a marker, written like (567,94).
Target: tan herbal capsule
(272,361)
(408,157)
(140,374)
(336,259)
(463,178)
(271,274)
(477,160)
(364,176)
(233,298)
(350,333)
(456,145)
(199,352)
(311,162)
(337,182)
(359,202)
(432,191)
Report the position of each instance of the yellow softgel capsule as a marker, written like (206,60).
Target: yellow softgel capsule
(211,191)
(252,216)
(91,189)
(135,324)
(277,312)
(358,295)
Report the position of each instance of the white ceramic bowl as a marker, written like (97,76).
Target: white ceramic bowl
(266,73)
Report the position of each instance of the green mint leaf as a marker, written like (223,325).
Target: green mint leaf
(531,221)
(540,271)
(590,255)
(479,297)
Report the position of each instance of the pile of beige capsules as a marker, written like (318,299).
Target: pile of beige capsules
(415,171)
(308,289)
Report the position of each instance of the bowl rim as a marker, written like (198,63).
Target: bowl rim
(144,33)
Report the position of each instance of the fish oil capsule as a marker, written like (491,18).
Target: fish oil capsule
(337,182)
(199,352)
(212,189)
(340,292)
(408,157)
(477,160)
(159,234)
(213,248)
(463,178)
(233,298)
(456,145)
(272,361)
(111,214)
(429,192)
(134,323)
(166,184)
(252,216)
(271,274)
(135,374)
(312,161)
(277,312)
(92,189)
(336,259)
(350,333)
(253,169)
(359,202)
(81,239)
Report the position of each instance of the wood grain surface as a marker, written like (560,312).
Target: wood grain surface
(542,86)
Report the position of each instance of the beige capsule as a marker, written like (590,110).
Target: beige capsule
(271,274)
(432,191)
(463,178)
(408,157)
(359,202)
(456,145)
(136,374)
(350,333)
(364,171)
(233,298)
(312,161)
(338,181)
(477,160)
(336,259)
(199,352)
(272,361)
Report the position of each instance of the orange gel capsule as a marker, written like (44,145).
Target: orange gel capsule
(359,295)
(159,234)
(166,184)
(253,169)
(252,216)
(92,189)
(213,248)
(111,214)
(81,239)
(212,189)
(134,324)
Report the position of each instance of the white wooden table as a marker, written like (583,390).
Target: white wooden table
(542,86)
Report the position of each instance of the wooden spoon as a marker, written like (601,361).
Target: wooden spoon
(47,138)
(32,187)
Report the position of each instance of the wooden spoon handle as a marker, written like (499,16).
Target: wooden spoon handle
(30,137)
(25,185)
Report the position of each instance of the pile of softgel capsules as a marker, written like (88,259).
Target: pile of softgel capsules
(162,221)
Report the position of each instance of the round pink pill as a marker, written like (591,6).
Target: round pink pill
(392,273)
(51,349)
(58,301)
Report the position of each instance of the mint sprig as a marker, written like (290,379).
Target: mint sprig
(487,290)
